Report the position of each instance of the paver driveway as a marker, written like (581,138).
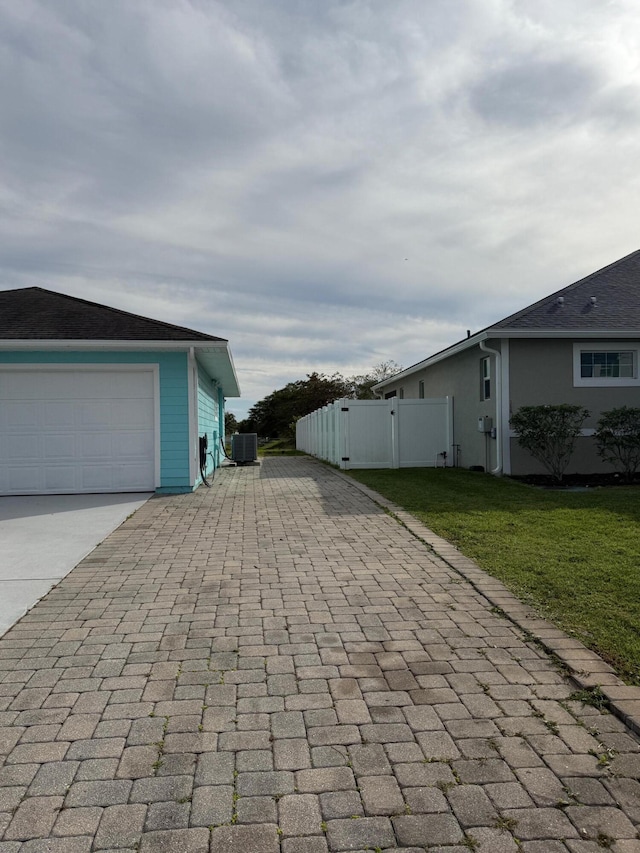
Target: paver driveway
(275,664)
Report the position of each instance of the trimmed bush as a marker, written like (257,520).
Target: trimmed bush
(618,440)
(549,433)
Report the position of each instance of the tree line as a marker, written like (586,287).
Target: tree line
(276,414)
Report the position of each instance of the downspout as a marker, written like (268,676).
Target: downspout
(192,402)
(220,449)
(498,469)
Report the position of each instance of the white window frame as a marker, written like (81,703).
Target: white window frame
(605,381)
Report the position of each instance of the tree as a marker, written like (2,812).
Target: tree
(230,423)
(273,415)
(618,439)
(549,433)
(360,386)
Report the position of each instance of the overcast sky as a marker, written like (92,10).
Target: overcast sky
(327,183)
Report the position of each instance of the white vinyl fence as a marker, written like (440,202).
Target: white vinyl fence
(390,433)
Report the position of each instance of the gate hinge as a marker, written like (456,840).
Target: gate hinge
(346,458)
(344,409)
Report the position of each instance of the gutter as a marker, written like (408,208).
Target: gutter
(120,343)
(483,346)
(454,349)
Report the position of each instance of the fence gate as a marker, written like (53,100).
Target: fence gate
(423,433)
(366,428)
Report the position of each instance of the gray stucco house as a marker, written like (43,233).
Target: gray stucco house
(95,399)
(580,345)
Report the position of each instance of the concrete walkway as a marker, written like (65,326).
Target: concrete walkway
(275,665)
(42,537)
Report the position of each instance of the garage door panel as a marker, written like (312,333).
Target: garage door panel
(66,431)
(90,385)
(10,385)
(96,445)
(58,446)
(128,386)
(131,477)
(13,387)
(97,478)
(59,478)
(22,414)
(58,414)
(94,414)
(68,385)
(133,414)
(24,478)
(132,444)
(21,446)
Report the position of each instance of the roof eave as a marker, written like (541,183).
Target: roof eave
(563,333)
(218,362)
(493,332)
(94,344)
(472,341)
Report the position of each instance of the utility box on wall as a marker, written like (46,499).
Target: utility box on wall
(485,424)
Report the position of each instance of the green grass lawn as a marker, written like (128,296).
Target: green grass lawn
(574,556)
(279,447)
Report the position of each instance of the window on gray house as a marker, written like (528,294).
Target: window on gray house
(606,365)
(421,389)
(402,393)
(390,394)
(485,378)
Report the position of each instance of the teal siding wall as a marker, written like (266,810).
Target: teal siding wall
(208,417)
(174,401)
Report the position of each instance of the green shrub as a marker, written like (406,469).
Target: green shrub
(549,433)
(618,439)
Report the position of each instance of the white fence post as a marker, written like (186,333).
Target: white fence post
(394,415)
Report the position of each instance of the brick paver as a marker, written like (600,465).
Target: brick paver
(275,665)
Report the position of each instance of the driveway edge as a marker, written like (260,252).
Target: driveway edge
(584,667)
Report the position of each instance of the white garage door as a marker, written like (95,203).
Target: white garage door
(70,431)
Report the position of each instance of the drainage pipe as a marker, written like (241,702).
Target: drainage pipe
(498,469)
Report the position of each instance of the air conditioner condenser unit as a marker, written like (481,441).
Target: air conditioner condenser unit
(244,447)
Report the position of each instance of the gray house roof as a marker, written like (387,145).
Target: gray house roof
(33,313)
(605,302)
(615,289)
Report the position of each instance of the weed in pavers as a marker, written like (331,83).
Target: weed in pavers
(505,824)
(592,696)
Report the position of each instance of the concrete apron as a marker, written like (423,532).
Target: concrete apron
(43,537)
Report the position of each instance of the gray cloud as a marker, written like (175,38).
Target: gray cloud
(535,90)
(328,185)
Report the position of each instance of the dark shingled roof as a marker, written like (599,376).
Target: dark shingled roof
(616,289)
(32,313)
